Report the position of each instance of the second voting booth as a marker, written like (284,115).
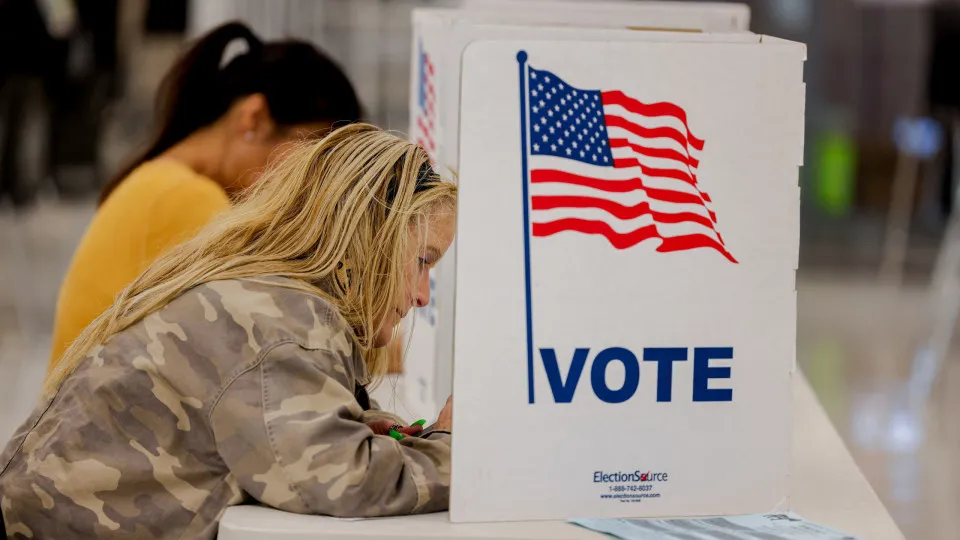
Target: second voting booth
(619,313)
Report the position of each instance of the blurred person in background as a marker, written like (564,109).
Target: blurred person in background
(58,72)
(32,57)
(217,126)
(236,366)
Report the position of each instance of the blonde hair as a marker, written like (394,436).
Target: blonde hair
(333,215)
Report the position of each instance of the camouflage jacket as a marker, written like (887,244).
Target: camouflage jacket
(237,389)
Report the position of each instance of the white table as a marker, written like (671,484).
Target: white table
(827,487)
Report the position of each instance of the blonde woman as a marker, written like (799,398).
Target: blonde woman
(234,367)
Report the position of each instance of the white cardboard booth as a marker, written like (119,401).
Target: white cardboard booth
(625,278)
(440,37)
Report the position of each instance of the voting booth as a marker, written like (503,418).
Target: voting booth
(625,277)
(440,37)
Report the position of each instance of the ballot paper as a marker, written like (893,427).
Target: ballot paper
(788,526)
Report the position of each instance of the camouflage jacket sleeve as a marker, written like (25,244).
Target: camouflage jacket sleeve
(312,453)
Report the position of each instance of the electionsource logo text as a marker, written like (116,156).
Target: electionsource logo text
(635,476)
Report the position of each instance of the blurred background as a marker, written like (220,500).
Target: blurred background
(879,257)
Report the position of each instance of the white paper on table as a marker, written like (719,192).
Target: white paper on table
(787,526)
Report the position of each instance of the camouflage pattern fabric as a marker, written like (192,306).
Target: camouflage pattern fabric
(237,391)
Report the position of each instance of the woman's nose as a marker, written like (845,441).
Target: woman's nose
(423,290)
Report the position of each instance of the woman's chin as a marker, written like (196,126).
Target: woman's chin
(383,338)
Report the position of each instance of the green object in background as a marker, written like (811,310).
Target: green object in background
(419,422)
(836,168)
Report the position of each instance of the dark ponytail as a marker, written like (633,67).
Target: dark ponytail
(301,85)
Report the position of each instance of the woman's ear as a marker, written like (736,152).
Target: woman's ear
(251,118)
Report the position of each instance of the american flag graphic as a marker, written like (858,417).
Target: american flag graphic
(425,128)
(604,163)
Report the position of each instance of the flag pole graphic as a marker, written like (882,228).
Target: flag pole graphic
(522,63)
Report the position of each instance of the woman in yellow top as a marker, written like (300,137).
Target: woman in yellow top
(217,128)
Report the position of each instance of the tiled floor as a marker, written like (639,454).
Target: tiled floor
(856,343)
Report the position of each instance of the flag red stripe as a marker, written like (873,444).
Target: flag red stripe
(615,209)
(426,132)
(546,176)
(426,118)
(632,238)
(623,163)
(616,97)
(665,153)
(694,241)
(665,132)
(425,143)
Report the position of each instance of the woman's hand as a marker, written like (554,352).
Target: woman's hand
(445,420)
(386,427)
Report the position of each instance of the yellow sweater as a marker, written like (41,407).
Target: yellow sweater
(159,205)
